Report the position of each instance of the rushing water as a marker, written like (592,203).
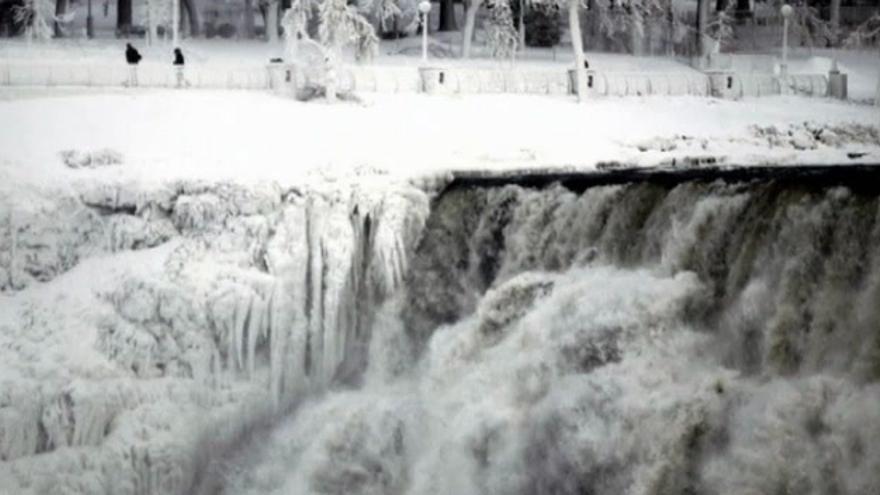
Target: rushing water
(698,338)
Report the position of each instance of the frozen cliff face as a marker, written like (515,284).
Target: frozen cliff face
(144,324)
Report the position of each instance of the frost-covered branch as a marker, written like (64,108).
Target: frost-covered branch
(340,25)
(34,15)
(864,31)
(381,10)
(720,29)
(809,23)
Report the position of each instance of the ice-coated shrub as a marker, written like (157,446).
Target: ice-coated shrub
(91,159)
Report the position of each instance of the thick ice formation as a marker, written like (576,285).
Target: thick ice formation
(224,304)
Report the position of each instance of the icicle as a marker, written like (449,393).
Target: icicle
(315,283)
(242,314)
(288,259)
(277,329)
(254,331)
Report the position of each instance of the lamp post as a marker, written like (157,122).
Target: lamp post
(786,11)
(424,8)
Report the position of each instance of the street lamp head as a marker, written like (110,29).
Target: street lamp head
(424,6)
(786,11)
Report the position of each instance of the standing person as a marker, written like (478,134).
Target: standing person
(132,57)
(178,68)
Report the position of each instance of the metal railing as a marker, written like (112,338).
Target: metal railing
(456,80)
(83,75)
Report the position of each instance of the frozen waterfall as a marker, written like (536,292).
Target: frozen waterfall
(704,337)
(649,337)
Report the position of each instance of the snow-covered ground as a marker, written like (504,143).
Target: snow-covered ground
(165,135)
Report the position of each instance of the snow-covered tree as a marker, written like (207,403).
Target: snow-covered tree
(577,44)
(271,8)
(834,20)
(382,11)
(340,25)
(503,38)
(470,20)
(157,13)
(634,18)
(720,29)
(811,27)
(864,31)
(35,16)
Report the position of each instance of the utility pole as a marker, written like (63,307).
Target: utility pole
(786,13)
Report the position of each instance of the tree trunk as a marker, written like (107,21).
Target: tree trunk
(521,33)
(835,21)
(577,45)
(637,34)
(192,15)
(272,21)
(175,23)
(60,9)
(447,16)
(702,23)
(877,92)
(594,25)
(248,27)
(123,17)
(470,19)
(151,35)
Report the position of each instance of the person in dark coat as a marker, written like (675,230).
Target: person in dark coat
(178,57)
(132,57)
(178,63)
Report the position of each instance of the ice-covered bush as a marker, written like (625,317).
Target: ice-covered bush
(91,159)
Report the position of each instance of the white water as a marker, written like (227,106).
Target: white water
(601,380)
